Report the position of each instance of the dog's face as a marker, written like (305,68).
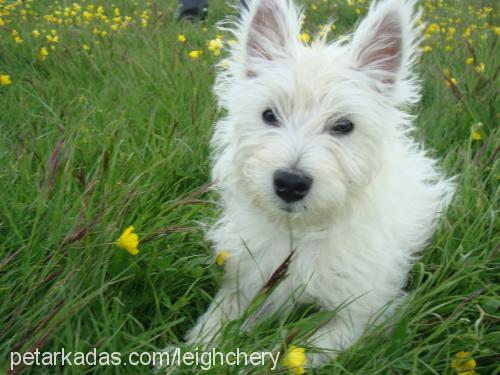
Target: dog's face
(309,127)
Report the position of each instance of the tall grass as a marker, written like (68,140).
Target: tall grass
(93,141)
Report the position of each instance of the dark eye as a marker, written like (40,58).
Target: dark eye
(269,117)
(342,126)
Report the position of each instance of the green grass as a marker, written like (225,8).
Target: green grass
(92,143)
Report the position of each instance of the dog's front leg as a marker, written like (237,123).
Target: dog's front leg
(223,308)
(335,336)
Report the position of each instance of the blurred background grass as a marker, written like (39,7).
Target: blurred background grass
(105,118)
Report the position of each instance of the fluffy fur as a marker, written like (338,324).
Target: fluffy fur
(375,197)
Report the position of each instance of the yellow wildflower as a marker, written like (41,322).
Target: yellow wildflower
(452,81)
(476,136)
(427,49)
(215,45)
(87,16)
(43,53)
(18,39)
(305,37)
(35,33)
(222,256)
(195,54)
(463,363)
(86,47)
(181,38)
(295,360)
(433,27)
(129,241)
(469,60)
(52,38)
(480,68)
(5,80)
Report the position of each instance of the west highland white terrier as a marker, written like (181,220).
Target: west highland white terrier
(315,154)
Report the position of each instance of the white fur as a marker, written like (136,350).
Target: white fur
(376,196)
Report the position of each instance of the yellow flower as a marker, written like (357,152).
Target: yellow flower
(215,45)
(305,37)
(427,49)
(452,81)
(87,16)
(52,38)
(43,53)
(222,256)
(181,38)
(476,136)
(86,47)
(448,48)
(463,363)
(5,80)
(35,33)
(480,68)
(129,240)
(470,60)
(195,54)
(295,360)
(18,39)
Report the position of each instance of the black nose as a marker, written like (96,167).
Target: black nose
(291,186)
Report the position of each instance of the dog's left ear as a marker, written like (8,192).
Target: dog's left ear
(384,44)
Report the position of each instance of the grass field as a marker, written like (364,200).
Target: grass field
(105,118)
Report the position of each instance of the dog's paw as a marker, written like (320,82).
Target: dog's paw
(316,360)
(166,368)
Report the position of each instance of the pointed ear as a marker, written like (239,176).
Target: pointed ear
(384,44)
(269,30)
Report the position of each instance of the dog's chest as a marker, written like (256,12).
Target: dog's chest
(302,271)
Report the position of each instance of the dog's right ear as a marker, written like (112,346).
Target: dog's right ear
(269,29)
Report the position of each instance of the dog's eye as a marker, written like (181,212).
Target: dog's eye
(269,117)
(342,126)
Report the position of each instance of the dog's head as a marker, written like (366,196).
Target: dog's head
(309,126)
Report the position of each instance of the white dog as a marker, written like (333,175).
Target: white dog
(315,155)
